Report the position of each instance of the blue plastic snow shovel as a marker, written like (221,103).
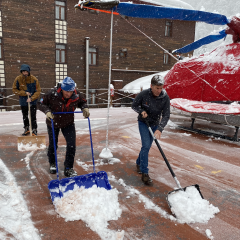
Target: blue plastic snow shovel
(58,187)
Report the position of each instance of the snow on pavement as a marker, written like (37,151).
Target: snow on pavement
(15,218)
(95,206)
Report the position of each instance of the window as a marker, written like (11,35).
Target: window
(1,48)
(166,58)
(60,53)
(92,57)
(60,10)
(168,29)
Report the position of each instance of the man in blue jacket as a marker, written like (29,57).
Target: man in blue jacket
(153,105)
(27,87)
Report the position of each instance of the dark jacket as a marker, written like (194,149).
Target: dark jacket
(23,84)
(53,101)
(155,107)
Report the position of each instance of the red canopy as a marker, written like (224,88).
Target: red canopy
(215,76)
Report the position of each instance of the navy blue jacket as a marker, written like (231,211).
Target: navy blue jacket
(155,107)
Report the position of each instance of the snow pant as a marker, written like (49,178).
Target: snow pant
(69,134)
(33,109)
(147,140)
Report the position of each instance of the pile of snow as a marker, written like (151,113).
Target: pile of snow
(15,219)
(106,153)
(95,206)
(141,83)
(189,207)
(29,147)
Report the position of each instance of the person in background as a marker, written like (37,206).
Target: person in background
(27,87)
(65,98)
(153,105)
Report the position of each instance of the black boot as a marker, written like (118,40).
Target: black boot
(70,172)
(34,132)
(146,179)
(26,131)
(53,168)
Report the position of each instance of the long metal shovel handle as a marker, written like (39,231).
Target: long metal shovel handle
(91,144)
(55,151)
(163,155)
(89,125)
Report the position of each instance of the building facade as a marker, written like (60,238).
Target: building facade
(51,37)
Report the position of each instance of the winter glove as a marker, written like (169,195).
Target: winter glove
(86,112)
(49,116)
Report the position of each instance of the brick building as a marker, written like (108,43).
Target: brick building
(51,35)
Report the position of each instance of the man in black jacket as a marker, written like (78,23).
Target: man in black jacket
(64,99)
(151,105)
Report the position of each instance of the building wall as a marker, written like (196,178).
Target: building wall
(28,36)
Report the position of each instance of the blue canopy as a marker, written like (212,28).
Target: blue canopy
(149,11)
(201,42)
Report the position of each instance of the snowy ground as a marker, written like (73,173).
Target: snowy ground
(212,163)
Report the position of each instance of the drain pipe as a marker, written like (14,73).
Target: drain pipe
(87,67)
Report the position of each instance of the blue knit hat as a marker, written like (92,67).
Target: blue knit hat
(68,84)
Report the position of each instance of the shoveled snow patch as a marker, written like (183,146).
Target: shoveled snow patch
(95,206)
(15,219)
(29,147)
(189,207)
(209,234)
(105,153)
(98,162)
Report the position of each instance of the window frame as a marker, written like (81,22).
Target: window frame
(1,49)
(60,12)
(60,55)
(166,58)
(90,56)
(168,28)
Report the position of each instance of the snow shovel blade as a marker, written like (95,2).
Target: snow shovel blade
(183,189)
(31,140)
(57,188)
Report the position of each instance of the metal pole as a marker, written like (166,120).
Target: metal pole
(87,67)
(109,81)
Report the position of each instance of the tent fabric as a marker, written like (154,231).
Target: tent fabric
(210,77)
(205,107)
(149,11)
(201,42)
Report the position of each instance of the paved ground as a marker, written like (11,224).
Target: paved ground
(212,163)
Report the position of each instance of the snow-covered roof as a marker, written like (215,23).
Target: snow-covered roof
(141,83)
(171,3)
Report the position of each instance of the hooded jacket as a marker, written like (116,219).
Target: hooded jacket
(23,84)
(54,101)
(155,107)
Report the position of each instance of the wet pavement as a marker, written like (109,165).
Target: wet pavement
(212,163)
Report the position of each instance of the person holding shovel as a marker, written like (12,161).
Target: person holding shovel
(27,87)
(153,106)
(65,98)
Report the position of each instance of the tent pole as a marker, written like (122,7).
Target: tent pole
(109,81)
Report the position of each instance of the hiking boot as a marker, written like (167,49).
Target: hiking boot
(34,132)
(146,179)
(138,169)
(69,172)
(53,168)
(26,131)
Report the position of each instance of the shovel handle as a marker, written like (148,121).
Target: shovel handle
(161,151)
(66,112)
